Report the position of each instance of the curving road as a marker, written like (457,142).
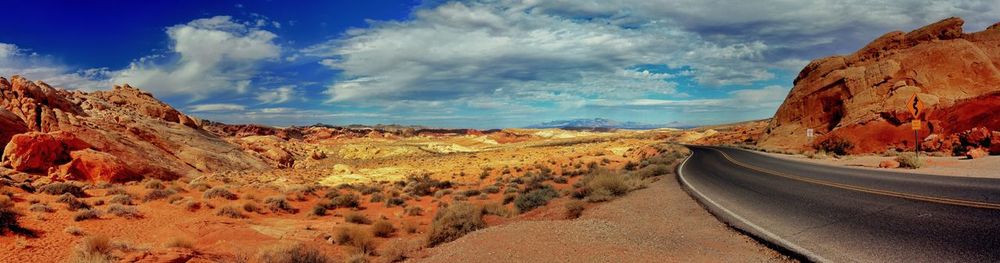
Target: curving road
(840,214)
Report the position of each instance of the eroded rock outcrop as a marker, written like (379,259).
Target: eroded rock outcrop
(126,132)
(862,96)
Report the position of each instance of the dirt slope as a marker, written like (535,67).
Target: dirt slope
(658,224)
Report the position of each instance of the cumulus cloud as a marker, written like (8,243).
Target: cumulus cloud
(278,95)
(17,61)
(210,56)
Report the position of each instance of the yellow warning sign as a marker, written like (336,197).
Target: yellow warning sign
(915,125)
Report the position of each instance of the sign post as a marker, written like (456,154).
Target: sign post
(916,108)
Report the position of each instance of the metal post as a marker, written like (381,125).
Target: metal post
(916,143)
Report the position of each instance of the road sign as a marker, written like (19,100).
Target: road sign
(915,106)
(915,124)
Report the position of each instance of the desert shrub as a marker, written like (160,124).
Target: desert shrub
(121,199)
(491,189)
(397,250)
(424,185)
(355,237)
(174,199)
(496,209)
(331,194)
(383,228)
(230,212)
(909,160)
(72,203)
(395,201)
(93,249)
(470,192)
(560,180)
(653,170)
(442,193)
(346,201)
(8,215)
(155,184)
(413,210)
(357,218)
(117,191)
(99,202)
(179,242)
(86,214)
(507,198)
(41,208)
(377,197)
(252,207)
(369,189)
(124,211)
(192,205)
(201,187)
(603,185)
(459,198)
(63,188)
(410,226)
(298,253)
(835,144)
(455,221)
(279,204)
(574,209)
(534,199)
(318,210)
(220,192)
(72,230)
(157,194)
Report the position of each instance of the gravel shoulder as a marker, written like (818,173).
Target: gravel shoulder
(986,167)
(658,224)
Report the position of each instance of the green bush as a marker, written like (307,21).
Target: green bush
(909,160)
(297,253)
(219,192)
(455,221)
(835,144)
(534,199)
(63,188)
(357,218)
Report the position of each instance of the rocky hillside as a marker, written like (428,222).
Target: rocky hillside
(116,135)
(861,97)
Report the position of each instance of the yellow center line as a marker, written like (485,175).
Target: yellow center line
(940,200)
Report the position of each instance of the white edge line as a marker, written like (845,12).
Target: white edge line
(767,234)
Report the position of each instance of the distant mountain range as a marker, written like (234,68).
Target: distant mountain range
(601,123)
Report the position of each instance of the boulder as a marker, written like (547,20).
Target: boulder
(976,153)
(10,125)
(995,143)
(37,152)
(94,166)
(888,164)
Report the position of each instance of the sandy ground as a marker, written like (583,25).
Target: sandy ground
(658,224)
(986,167)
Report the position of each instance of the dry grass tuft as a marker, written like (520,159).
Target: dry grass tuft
(355,237)
(297,253)
(357,218)
(230,212)
(220,192)
(455,221)
(383,228)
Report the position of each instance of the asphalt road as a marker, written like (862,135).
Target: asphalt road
(840,214)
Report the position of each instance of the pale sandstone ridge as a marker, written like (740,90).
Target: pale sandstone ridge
(115,135)
(862,96)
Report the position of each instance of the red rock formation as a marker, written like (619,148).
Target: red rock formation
(37,152)
(149,137)
(862,96)
(94,166)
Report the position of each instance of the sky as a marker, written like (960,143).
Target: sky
(470,64)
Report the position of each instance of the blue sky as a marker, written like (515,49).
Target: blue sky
(479,63)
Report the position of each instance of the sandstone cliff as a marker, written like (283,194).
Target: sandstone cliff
(861,97)
(116,135)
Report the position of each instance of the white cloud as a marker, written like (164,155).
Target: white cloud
(17,61)
(216,107)
(279,95)
(213,55)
